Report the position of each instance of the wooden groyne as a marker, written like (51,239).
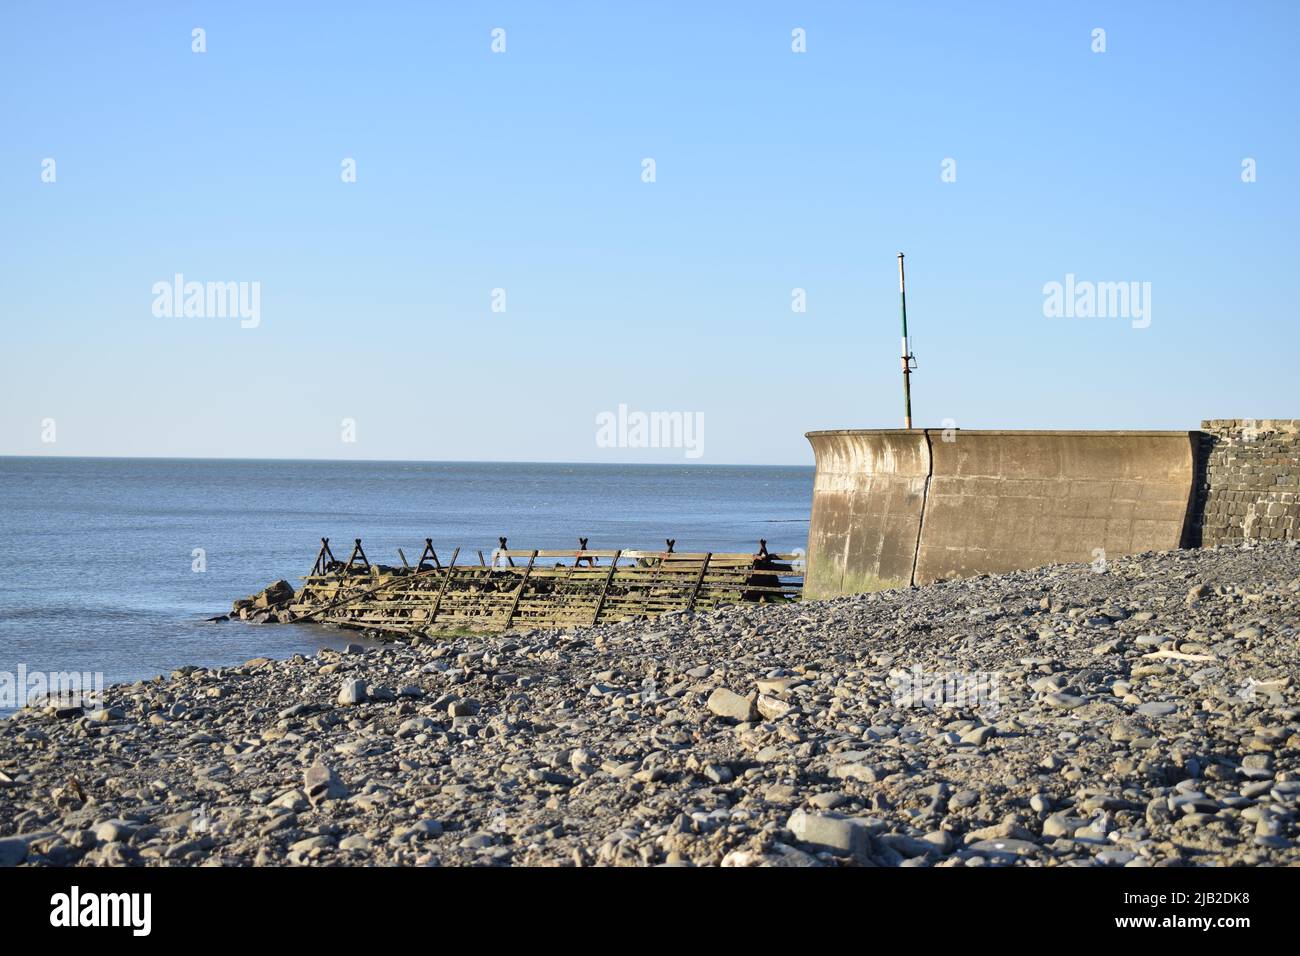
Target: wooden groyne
(523,588)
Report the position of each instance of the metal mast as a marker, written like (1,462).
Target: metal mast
(909,360)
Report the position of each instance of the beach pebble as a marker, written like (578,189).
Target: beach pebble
(352,692)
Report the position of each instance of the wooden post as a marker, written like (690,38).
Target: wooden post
(427,554)
(578,559)
(600,604)
(443,590)
(520,593)
(321,564)
(654,578)
(699,581)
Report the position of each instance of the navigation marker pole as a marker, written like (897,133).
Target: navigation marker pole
(909,360)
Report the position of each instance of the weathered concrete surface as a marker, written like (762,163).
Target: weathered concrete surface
(866,511)
(894,507)
(1004,500)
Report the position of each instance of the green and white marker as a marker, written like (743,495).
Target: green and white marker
(909,360)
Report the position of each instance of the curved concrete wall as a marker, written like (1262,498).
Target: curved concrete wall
(894,507)
(866,511)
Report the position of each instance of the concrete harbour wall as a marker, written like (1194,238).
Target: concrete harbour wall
(896,507)
(866,514)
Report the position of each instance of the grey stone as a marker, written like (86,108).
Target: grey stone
(352,692)
(781,854)
(907,846)
(718,774)
(730,705)
(963,799)
(308,844)
(940,839)
(773,708)
(1065,701)
(422,830)
(841,835)
(1060,825)
(321,783)
(1000,848)
(1116,857)
(416,726)
(13,850)
(1157,708)
(828,801)
(114,831)
(857,771)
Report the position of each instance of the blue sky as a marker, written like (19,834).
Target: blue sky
(522,171)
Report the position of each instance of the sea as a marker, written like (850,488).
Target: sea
(113,566)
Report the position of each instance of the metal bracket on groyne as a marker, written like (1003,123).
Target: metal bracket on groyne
(535,588)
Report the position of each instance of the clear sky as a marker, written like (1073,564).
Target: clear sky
(523,171)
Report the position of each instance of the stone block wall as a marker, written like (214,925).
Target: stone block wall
(1248,487)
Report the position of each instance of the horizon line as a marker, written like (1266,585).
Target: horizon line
(402,461)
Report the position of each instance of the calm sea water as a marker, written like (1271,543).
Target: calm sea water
(97,555)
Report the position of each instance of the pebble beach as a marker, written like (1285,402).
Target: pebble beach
(1143,712)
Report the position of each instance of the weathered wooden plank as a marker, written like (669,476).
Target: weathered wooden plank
(600,604)
(690,606)
(446,579)
(523,584)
